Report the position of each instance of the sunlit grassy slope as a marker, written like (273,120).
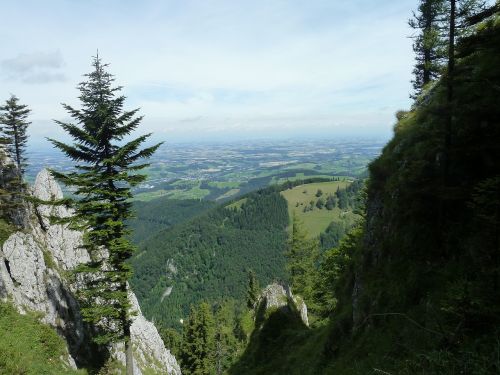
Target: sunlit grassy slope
(30,347)
(316,220)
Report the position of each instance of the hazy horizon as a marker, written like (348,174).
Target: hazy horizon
(222,71)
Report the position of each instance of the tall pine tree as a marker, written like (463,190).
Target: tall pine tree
(253,289)
(303,256)
(13,125)
(428,44)
(13,140)
(198,344)
(105,173)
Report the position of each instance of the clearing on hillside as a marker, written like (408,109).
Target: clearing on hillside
(302,201)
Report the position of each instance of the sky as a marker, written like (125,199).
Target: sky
(216,70)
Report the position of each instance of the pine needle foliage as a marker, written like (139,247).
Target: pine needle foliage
(302,258)
(13,126)
(428,44)
(198,347)
(105,172)
(253,289)
(13,140)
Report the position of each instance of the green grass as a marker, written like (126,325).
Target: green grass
(225,184)
(228,194)
(298,176)
(237,204)
(5,231)
(317,220)
(191,193)
(30,347)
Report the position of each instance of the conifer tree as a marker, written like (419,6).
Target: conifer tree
(302,255)
(13,125)
(428,44)
(13,139)
(457,14)
(253,289)
(226,342)
(198,345)
(106,163)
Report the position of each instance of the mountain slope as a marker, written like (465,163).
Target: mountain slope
(163,213)
(207,258)
(417,284)
(30,347)
(36,264)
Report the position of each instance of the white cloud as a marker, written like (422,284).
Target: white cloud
(261,64)
(34,67)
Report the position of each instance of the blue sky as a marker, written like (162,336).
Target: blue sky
(217,69)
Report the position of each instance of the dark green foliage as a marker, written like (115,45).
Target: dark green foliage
(30,347)
(333,272)
(428,44)
(207,257)
(6,229)
(320,203)
(253,289)
(302,258)
(198,344)
(228,339)
(105,173)
(13,140)
(343,199)
(332,235)
(331,202)
(211,340)
(319,193)
(13,125)
(415,290)
(427,272)
(10,199)
(163,213)
(172,340)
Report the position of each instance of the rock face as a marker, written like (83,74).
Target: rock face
(277,296)
(33,268)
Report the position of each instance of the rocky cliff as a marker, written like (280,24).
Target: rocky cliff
(34,267)
(279,297)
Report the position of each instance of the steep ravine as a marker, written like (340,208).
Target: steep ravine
(34,268)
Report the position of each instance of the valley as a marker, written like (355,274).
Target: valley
(208,218)
(223,171)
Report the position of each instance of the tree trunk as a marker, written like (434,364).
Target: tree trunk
(129,354)
(129,357)
(449,84)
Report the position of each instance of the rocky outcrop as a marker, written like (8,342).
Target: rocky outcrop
(34,265)
(276,296)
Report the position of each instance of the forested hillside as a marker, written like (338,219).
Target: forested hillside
(414,289)
(207,258)
(162,213)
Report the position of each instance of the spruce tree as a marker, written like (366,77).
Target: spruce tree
(302,257)
(227,344)
(428,44)
(253,289)
(13,140)
(198,345)
(13,125)
(106,162)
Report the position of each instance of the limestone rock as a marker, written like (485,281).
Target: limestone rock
(277,296)
(33,265)
(149,350)
(64,244)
